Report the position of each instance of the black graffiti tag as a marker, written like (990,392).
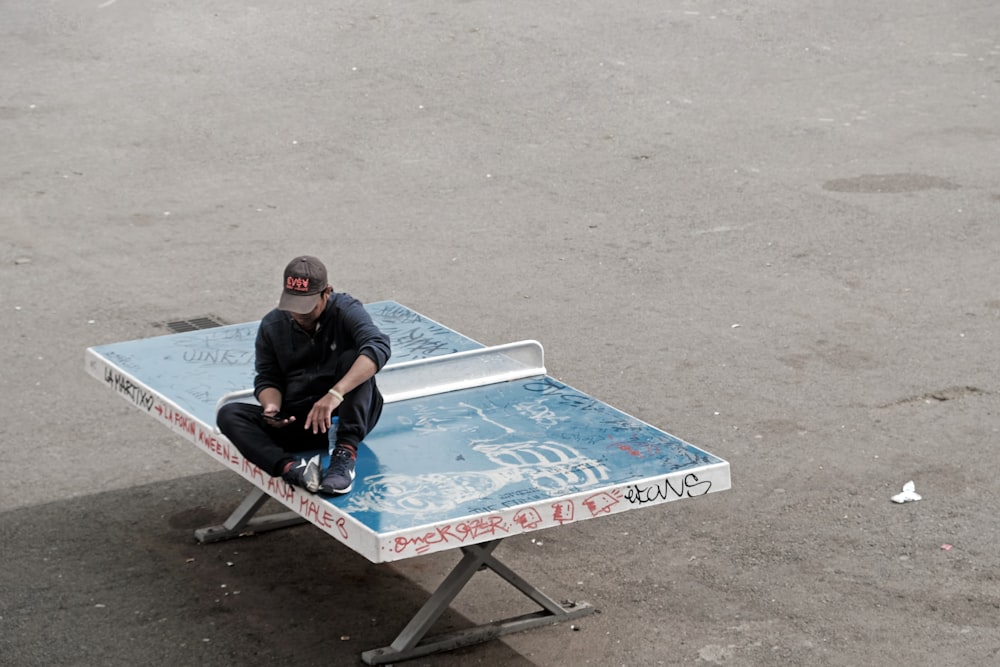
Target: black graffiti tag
(125,386)
(688,487)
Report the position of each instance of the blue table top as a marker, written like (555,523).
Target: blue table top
(439,471)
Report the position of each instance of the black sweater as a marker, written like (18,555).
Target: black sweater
(301,366)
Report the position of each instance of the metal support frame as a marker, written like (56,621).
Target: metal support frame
(242,520)
(411,643)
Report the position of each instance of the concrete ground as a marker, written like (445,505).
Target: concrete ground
(769,228)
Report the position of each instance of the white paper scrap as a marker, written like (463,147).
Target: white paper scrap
(908,495)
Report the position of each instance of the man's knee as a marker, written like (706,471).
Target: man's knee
(229,414)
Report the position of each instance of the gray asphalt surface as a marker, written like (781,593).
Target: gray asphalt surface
(769,228)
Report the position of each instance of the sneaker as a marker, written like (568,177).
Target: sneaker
(305,474)
(339,477)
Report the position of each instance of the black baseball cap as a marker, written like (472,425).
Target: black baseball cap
(305,280)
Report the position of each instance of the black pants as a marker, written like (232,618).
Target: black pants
(269,448)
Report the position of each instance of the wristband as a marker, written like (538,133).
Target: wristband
(336,394)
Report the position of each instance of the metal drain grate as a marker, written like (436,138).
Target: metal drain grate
(193,324)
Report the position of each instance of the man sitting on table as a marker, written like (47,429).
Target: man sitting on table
(317,355)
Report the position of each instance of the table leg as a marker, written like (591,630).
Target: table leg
(411,643)
(242,520)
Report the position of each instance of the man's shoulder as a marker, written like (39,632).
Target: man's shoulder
(273,318)
(344,300)
(342,305)
(347,311)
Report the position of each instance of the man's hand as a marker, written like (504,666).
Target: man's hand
(319,416)
(274,418)
(322,410)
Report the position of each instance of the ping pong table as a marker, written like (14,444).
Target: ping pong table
(475,444)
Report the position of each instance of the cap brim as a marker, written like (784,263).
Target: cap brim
(298,303)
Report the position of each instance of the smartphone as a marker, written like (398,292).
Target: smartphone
(277,417)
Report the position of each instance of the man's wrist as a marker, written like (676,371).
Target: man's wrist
(336,394)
